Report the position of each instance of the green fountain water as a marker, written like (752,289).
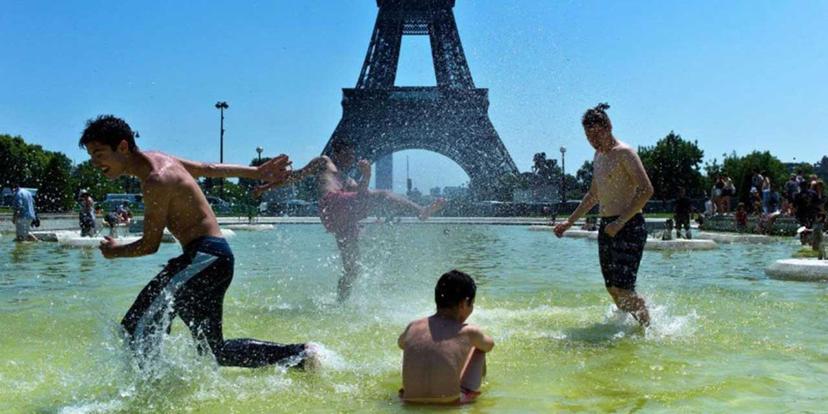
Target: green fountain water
(725,338)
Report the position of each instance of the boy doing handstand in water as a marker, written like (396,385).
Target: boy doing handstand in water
(191,286)
(444,359)
(343,203)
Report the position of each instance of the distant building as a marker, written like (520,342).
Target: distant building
(455,192)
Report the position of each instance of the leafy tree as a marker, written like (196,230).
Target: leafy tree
(21,163)
(545,171)
(584,177)
(673,163)
(87,177)
(821,168)
(573,189)
(740,170)
(55,190)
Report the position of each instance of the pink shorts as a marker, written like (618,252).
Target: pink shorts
(341,211)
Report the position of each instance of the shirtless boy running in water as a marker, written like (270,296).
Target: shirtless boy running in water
(344,202)
(621,188)
(191,286)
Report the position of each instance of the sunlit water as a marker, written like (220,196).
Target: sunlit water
(725,338)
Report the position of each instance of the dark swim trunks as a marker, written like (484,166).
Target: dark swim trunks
(192,286)
(621,255)
(341,211)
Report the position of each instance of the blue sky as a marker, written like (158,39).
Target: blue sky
(735,75)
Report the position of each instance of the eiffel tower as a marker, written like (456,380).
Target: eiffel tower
(450,119)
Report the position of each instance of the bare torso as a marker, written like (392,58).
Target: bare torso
(435,351)
(188,216)
(613,184)
(330,179)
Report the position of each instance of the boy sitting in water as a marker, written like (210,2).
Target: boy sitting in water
(444,358)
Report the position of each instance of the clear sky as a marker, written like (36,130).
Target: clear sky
(734,75)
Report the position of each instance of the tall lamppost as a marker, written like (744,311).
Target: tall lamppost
(260,150)
(221,106)
(563,174)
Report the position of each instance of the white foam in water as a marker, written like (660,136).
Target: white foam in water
(91,241)
(330,359)
(511,322)
(94,407)
(176,366)
(663,325)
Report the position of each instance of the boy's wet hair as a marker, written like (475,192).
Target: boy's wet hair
(109,130)
(597,116)
(341,145)
(453,288)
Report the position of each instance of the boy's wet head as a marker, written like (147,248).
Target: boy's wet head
(453,289)
(343,153)
(110,142)
(597,126)
(109,130)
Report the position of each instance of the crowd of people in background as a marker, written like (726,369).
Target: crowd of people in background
(801,197)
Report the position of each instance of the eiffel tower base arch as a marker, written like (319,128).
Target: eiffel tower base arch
(453,123)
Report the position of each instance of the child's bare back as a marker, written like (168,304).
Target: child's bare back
(443,357)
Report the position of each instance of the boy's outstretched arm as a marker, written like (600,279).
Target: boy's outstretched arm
(314,167)
(274,170)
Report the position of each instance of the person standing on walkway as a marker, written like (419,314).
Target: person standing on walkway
(621,188)
(23,213)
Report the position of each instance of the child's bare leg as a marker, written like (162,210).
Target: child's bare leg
(632,302)
(474,371)
(379,199)
(349,250)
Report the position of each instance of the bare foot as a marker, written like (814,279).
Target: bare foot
(311,362)
(436,206)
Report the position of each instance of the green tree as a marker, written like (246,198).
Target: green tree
(21,163)
(87,177)
(672,163)
(584,177)
(545,171)
(741,169)
(821,168)
(55,193)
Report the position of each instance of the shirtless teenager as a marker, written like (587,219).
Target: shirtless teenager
(621,188)
(444,359)
(191,286)
(343,203)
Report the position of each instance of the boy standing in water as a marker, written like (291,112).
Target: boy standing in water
(621,188)
(344,202)
(191,286)
(444,359)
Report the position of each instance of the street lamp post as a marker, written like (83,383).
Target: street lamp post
(260,150)
(563,174)
(221,106)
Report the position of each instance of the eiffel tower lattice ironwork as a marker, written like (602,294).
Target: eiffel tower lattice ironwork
(450,119)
